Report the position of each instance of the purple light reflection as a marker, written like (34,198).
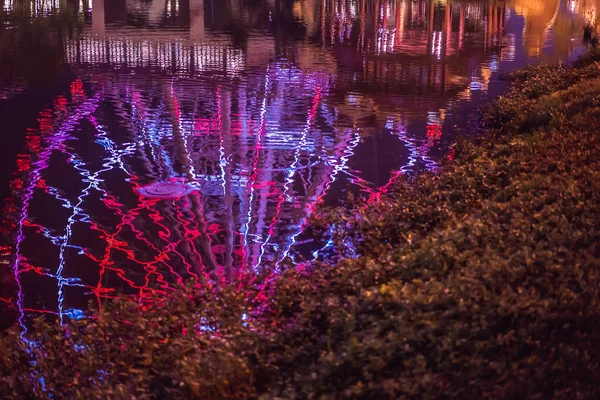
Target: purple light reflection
(55,141)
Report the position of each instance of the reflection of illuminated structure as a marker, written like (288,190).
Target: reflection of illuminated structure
(439,52)
(540,16)
(264,147)
(421,42)
(35,8)
(265,133)
(260,171)
(187,59)
(175,54)
(589,9)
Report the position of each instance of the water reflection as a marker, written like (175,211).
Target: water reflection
(271,109)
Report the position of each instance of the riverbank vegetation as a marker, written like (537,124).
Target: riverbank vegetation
(479,282)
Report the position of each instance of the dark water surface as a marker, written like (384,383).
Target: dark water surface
(271,108)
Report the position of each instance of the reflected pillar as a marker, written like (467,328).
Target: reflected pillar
(431,15)
(362,22)
(156,11)
(332,20)
(401,20)
(488,38)
(447,29)
(461,28)
(323,20)
(98,22)
(197,20)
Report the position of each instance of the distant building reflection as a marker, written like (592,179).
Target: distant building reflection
(383,47)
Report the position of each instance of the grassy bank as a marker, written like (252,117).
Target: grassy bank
(480,282)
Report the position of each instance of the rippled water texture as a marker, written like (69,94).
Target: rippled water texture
(266,109)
